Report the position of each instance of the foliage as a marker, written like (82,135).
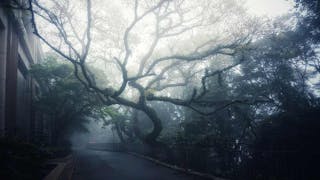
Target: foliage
(21,160)
(63,98)
(309,23)
(286,146)
(282,108)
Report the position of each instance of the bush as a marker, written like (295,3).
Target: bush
(21,161)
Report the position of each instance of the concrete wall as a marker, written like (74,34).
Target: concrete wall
(3,56)
(11,81)
(19,49)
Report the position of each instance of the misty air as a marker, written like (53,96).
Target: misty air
(159,89)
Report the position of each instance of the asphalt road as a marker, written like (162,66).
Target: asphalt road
(103,165)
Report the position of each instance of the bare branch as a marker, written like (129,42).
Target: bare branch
(195,56)
(133,23)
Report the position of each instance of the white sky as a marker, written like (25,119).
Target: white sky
(270,8)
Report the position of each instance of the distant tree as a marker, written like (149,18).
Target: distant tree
(120,120)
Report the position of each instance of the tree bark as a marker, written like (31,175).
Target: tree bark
(157,125)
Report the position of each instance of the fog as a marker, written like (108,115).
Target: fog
(209,85)
(97,133)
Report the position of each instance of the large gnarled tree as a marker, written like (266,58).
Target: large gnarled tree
(153,46)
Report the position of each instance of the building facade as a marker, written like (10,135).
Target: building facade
(19,49)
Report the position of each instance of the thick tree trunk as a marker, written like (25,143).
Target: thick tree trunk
(158,149)
(151,137)
(136,130)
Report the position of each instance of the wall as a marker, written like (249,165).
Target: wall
(19,49)
(3,52)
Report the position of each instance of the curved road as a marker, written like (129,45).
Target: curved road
(103,165)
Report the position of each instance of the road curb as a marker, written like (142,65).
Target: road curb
(63,170)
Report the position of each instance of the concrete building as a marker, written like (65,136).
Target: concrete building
(19,49)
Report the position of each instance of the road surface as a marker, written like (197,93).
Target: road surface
(103,165)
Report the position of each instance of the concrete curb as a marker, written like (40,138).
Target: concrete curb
(63,170)
(187,171)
